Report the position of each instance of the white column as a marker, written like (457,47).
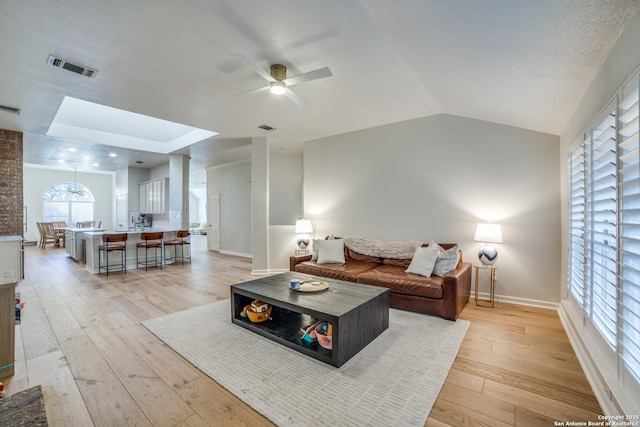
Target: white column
(178,191)
(260,205)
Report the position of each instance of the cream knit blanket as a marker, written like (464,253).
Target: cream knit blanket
(380,248)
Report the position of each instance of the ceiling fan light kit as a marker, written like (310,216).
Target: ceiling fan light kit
(277,88)
(279,84)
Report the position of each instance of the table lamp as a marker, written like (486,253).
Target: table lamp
(488,233)
(303,228)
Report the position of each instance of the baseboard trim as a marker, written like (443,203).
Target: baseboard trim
(278,270)
(519,301)
(259,272)
(240,254)
(591,371)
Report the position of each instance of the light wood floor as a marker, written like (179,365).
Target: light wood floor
(81,339)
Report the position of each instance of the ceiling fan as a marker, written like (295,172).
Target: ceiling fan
(279,83)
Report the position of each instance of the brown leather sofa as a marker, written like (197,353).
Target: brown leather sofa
(439,296)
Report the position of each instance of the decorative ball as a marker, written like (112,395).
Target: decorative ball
(303,241)
(488,255)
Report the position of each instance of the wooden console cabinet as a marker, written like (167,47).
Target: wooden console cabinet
(11,256)
(7,323)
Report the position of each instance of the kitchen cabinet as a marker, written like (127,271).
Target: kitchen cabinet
(153,197)
(143,201)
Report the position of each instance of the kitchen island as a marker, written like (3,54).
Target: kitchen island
(75,242)
(94,239)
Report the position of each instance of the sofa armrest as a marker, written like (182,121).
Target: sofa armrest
(456,290)
(297,260)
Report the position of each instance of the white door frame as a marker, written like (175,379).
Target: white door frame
(213,229)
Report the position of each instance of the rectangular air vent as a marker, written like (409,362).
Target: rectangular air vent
(13,110)
(267,128)
(78,69)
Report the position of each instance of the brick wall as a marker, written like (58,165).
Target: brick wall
(11,201)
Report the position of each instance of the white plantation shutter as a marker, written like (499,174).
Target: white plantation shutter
(55,211)
(629,217)
(81,211)
(604,231)
(576,223)
(601,208)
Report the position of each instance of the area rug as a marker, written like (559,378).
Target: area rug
(25,408)
(393,381)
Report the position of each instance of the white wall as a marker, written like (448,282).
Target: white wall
(285,207)
(282,244)
(435,178)
(37,180)
(233,182)
(159,172)
(285,188)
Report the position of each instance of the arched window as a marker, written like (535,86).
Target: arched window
(67,201)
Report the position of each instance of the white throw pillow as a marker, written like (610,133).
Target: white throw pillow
(331,251)
(447,261)
(423,261)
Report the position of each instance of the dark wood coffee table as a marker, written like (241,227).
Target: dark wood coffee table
(358,313)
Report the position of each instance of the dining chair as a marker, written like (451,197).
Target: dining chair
(85,224)
(60,232)
(42,236)
(48,235)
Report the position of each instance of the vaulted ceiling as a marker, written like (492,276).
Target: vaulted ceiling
(516,62)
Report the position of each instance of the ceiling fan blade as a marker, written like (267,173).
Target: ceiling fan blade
(256,90)
(249,63)
(307,77)
(297,99)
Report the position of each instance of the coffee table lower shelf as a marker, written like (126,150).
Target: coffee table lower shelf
(284,328)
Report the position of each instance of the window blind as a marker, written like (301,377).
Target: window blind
(576,226)
(601,219)
(81,211)
(629,218)
(55,211)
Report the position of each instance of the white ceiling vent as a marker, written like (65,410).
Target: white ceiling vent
(8,109)
(78,69)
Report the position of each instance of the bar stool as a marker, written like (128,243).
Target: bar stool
(116,242)
(150,240)
(182,238)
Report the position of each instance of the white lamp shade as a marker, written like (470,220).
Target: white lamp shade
(488,233)
(303,226)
